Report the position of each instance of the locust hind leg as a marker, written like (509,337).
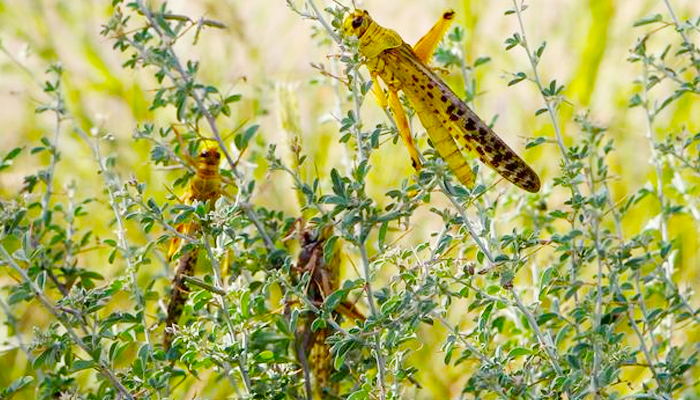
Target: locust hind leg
(426,46)
(399,117)
(404,130)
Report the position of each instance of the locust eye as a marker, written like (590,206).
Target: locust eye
(210,153)
(357,22)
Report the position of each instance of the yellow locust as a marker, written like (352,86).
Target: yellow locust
(453,128)
(205,186)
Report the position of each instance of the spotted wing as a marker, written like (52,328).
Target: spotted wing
(443,114)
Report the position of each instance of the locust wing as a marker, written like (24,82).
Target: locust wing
(452,125)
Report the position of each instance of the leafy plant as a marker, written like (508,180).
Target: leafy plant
(440,291)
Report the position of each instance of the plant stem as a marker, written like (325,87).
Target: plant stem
(538,82)
(545,341)
(243,356)
(686,42)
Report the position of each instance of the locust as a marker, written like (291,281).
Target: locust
(453,128)
(205,186)
(313,352)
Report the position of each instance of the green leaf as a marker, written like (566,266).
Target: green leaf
(484,317)
(338,186)
(245,301)
(518,77)
(265,356)
(635,100)
(518,352)
(448,349)
(7,160)
(649,19)
(79,365)
(542,319)
(330,251)
(242,140)
(361,394)
(391,305)
(540,50)
(513,41)
(481,61)
(14,387)
(318,324)
(381,237)
(334,299)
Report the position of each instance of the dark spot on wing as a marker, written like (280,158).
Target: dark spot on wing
(513,165)
(470,125)
(450,108)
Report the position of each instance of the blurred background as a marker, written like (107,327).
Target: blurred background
(265,53)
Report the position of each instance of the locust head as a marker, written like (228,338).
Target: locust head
(373,39)
(356,23)
(208,162)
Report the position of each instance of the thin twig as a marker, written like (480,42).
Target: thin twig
(538,82)
(467,223)
(686,42)
(545,341)
(243,355)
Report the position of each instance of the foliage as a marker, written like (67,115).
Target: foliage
(575,292)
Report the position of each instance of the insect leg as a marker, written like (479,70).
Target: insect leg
(377,90)
(185,229)
(426,46)
(404,130)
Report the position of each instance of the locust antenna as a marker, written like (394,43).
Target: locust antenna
(343,6)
